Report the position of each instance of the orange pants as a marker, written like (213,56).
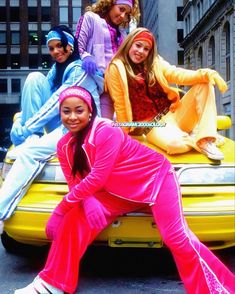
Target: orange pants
(194,119)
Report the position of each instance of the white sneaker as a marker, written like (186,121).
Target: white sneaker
(38,286)
(12,154)
(1,227)
(210,150)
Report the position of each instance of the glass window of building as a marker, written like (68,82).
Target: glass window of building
(2,38)
(76,14)
(63,14)
(15,38)
(46,14)
(32,14)
(33,61)
(180,35)
(211,53)
(187,24)
(44,37)
(180,57)
(46,61)
(78,3)
(33,38)
(3,85)
(3,61)
(227,51)
(15,60)
(198,12)
(188,64)
(15,85)
(199,58)
(202,7)
(15,14)
(227,111)
(3,14)
(179,13)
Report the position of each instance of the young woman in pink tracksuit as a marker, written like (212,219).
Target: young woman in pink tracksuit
(96,157)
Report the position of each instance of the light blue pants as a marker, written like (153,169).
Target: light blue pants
(29,163)
(31,157)
(35,93)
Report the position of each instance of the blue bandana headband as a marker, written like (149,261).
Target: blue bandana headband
(54,35)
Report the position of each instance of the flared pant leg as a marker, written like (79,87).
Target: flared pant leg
(73,237)
(30,160)
(196,113)
(35,93)
(198,109)
(200,270)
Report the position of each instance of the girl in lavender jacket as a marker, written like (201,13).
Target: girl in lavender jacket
(96,157)
(100,31)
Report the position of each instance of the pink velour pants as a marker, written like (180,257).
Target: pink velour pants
(200,270)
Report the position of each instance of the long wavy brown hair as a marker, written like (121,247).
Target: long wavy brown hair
(102,8)
(123,54)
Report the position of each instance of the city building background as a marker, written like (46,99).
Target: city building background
(165,20)
(209,39)
(191,34)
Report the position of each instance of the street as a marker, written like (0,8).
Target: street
(105,270)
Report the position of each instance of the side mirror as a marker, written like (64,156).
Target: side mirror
(224,122)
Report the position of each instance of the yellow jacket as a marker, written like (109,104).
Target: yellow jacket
(117,86)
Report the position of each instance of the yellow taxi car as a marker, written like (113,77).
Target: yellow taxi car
(208,202)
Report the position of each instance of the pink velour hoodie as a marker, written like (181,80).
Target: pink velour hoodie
(118,163)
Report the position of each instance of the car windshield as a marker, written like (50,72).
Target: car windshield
(208,175)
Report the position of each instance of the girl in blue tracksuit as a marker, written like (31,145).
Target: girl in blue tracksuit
(40,113)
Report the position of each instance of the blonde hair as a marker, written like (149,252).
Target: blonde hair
(102,8)
(123,54)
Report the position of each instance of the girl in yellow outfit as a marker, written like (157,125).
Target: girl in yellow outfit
(138,80)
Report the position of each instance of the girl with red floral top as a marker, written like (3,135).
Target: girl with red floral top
(138,81)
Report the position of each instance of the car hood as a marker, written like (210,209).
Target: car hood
(194,157)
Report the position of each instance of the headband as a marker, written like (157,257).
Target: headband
(54,35)
(77,92)
(127,2)
(144,36)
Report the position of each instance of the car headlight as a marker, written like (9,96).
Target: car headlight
(51,173)
(207,175)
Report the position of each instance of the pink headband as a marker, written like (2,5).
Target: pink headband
(127,2)
(78,92)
